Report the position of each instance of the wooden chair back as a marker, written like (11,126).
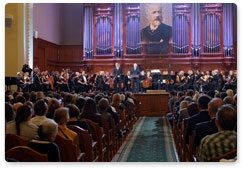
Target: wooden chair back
(13,140)
(98,136)
(25,154)
(68,151)
(87,145)
(109,138)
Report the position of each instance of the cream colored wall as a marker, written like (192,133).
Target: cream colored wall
(14,58)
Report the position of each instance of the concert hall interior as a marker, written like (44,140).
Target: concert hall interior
(142,50)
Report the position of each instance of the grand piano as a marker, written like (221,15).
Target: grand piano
(9,81)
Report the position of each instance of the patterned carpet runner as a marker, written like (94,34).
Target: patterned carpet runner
(150,141)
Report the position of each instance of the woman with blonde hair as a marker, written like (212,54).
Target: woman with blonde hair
(61,116)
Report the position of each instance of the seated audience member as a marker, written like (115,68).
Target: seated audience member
(224,140)
(202,116)
(40,109)
(74,117)
(68,99)
(118,105)
(20,99)
(80,103)
(53,104)
(22,125)
(182,113)
(208,127)
(192,108)
(171,101)
(44,143)
(230,92)
(229,100)
(40,95)
(90,111)
(61,116)
(9,113)
(103,106)
(112,110)
(16,106)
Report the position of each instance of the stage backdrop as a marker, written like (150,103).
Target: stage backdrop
(156,26)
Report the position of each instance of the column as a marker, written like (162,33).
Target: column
(118,31)
(88,33)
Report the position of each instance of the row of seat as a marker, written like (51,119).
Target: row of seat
(99,146)
(187,152)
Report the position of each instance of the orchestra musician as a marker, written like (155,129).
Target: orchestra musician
(108,82)
(147,83)
(142,78)
(127,81)
(86,84)
(63,82)
(135,72)
(198,76)
(180,81)
(206,79)
(117,80)
(101,81)
(77,82)
(23,82)
(44,81)
(36,79)
(190,80)
(217,81)
(231,81)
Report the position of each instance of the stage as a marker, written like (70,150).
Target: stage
(153,103)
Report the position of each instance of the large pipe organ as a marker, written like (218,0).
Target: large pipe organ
(203,37)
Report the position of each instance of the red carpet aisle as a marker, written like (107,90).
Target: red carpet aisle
(150,141)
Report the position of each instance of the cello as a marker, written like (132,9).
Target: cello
(147,83)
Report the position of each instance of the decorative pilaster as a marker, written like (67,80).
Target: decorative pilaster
(88,32)
(228,29)
(196,30)
(118,31)
(28,34)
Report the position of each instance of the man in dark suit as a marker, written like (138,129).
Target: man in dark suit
(135,72)
(36,80)
(156,35)
(117,73)
(202,116)
(208,127)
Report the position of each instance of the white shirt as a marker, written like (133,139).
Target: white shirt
(27,129)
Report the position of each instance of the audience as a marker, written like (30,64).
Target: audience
(224,140)
(9,113)
(22,125)
(80,100)
(192,108)
(182,113)
(203,115)
(209,118)
(208,127)
(61,116)
(103,106)
(44,143)
(74,117)
(40,109)
(90,111)
(53,104)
